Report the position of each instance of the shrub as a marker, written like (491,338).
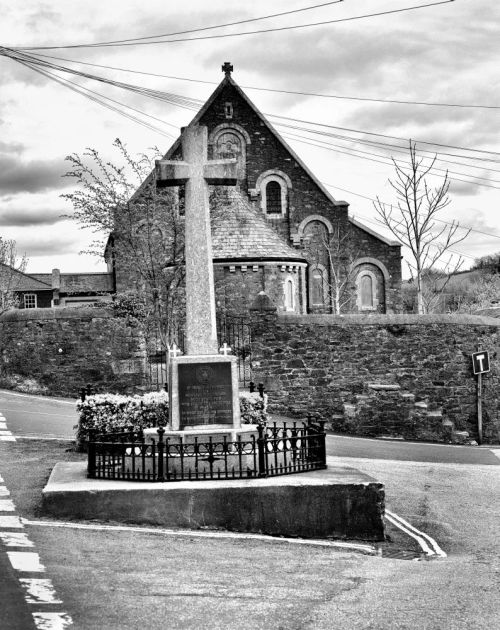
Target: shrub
(253,408)
(108,413)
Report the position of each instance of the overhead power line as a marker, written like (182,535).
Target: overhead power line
(192,103)
(392,148)
(276,91)
(357,153)
(240,34)
(209,28)
(382,135)
(389,205)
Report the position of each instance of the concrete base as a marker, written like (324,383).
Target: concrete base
(340,502)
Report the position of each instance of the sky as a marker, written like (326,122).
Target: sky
(446,54)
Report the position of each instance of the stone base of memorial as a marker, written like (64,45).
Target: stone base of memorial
(340,502)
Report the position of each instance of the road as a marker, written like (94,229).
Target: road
(36,416)
(135,578)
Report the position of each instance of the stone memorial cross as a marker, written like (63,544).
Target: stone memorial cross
(196,172)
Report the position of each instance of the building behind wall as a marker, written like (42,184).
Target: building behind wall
(273,230)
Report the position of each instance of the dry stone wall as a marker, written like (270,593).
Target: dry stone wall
(57,351)
(398,375)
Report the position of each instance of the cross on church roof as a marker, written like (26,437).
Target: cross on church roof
(227,68)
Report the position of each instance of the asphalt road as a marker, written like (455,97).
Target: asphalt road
(129,579)
(36,416)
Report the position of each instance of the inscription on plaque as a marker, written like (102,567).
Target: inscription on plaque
(205,394)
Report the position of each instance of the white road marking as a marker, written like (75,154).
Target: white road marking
(52,621)
(15,539)
(26,561)
(7,438)
(43,436)
(39,591)
(6,505)
(10,522)
(429,546)
(3,424)
(370,549)
(43,398)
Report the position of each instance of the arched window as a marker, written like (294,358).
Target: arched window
(317,286)
(289,295)
(274,187)
(228,145)
(273,197)
(366,287)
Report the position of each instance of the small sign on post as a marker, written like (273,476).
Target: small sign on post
(480,366)
(480,362)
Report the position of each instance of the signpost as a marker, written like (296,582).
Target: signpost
(480,366)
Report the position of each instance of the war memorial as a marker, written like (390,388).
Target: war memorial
(206,469)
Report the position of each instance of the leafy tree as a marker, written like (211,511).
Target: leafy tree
(11,264)
(490,262)
(482,292)
(143,223)
(413,221)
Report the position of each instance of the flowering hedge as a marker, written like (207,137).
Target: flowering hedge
(253,408)
(106,413)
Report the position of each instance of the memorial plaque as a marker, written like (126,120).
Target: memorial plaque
(205,394)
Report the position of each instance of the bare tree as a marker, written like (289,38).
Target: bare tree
(11,265)
(334,255)
(413,221)
(146,230)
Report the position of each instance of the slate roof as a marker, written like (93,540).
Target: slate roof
(240,232)
(22,281)
(81,282)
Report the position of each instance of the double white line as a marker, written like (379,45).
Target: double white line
(428,545)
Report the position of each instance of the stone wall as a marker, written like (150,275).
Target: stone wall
(398,375)
(58,350)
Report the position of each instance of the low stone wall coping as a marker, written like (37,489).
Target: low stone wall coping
(41,314)
(389,320)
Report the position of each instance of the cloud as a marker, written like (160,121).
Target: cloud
(12,147)
(43,15)
(464,188)
(17,176)
(35,216)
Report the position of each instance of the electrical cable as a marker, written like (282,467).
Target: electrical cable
(221,36)
(354,154)
(194,103)
(275,91)
(395,148)
(390,205)
(209,28)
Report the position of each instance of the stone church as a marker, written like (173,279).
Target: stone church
(281,231)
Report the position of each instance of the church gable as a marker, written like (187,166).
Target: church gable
(278,207)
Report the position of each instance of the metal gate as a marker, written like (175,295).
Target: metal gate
(232,330)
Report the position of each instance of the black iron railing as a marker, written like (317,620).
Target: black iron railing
(274,450)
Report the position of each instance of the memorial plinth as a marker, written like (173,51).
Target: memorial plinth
(203,385)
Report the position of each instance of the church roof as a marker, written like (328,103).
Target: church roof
(240,232)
